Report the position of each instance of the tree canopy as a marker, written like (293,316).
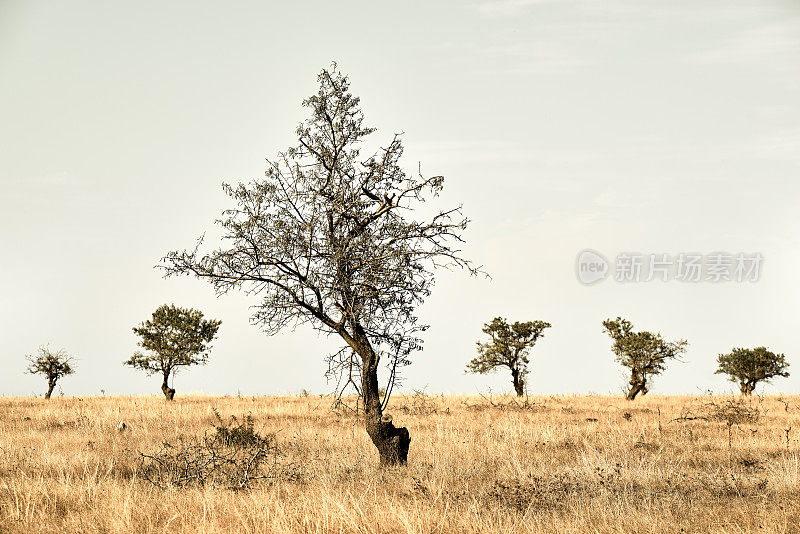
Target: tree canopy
(52,364)
(748,367)
(174,337)
(509,347)
(645,354)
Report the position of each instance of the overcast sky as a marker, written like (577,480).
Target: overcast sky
(641,127)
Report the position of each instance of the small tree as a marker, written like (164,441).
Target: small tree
(748,367)
(176,337)
(52,364)
(509,347)
(644,353)
(329,238)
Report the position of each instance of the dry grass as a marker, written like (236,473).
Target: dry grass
(557,464)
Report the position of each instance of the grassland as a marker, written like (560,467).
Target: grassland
(555,464)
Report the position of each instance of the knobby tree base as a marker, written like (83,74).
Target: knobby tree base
(392,443)
(169,392)
(636,388)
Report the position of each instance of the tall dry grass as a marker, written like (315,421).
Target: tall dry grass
(557,464)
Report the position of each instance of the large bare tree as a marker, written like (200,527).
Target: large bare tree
(328,237)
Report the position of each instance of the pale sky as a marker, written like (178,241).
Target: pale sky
(650,127)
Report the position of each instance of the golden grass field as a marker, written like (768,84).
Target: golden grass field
(558,464)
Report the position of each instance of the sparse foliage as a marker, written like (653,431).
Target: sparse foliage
(328,238)
(748,367)
(174,337)
(645,354)
(510,346)
(52,364)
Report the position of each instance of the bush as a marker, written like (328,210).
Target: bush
(234,457)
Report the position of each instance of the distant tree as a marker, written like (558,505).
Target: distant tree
(329,238)
(748,367)
(645,354)
(175,337)
(52,364)
(509,347)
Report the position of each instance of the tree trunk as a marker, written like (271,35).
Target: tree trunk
(392,442)
(636,388)
(519,382)
(747,388)
(50,387)
(169,393)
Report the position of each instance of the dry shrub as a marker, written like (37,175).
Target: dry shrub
(538,492)
(503,403)
(233,457)
(749,462)
(419,404)
(648,446)
(730,411)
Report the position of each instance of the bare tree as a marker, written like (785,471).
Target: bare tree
(327,238)
(52,364)
(509,347)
